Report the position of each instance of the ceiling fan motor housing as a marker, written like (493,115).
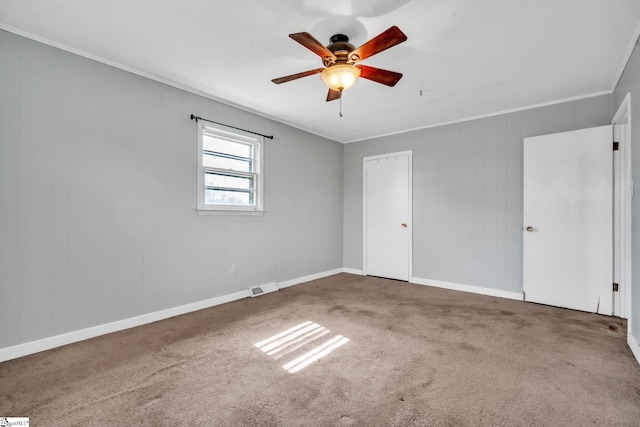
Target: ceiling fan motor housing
(341,48)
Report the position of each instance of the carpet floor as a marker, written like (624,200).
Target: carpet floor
(343,350)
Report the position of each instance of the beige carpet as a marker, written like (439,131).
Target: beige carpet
(390,353)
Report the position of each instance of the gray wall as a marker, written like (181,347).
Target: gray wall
(467,192)
(630,82)
(98,196)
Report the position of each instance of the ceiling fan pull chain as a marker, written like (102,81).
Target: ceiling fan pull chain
(340,103)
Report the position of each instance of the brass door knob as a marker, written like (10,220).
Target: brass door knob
(404,224)
(529,228)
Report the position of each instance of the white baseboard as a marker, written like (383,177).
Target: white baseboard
(48,343)
(32,347)
(309,278)
(633,345)
(467,288)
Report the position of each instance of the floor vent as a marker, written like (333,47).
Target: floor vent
(263,289)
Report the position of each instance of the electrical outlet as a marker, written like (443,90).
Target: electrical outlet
(232,269)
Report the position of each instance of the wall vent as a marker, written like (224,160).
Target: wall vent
(255,291)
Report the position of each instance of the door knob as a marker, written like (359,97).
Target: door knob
(529,228)
(404,224)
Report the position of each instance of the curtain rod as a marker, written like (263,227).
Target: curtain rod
(196,118)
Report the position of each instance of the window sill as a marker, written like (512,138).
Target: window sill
(206,212)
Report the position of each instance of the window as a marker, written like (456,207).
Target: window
(229,170)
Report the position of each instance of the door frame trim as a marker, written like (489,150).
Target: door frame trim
(622,205)
(364,207)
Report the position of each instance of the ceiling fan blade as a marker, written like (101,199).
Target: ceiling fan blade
(297,76)
(387,39)
(333,95)
(307,40)
(378,75)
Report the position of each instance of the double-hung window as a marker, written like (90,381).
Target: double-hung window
(229,170)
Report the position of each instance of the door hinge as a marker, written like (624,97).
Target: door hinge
(616,146)
(615,287)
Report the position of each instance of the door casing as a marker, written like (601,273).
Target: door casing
(623,192)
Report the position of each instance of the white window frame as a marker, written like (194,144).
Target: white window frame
(241,137)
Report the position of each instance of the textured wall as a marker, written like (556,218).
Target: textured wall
(467,192)
(630,82)
(98,197)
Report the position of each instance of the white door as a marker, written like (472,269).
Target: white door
(387,216)
(568,198)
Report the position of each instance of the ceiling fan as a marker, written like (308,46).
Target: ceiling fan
(339,58)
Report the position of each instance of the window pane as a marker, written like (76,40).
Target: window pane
(224,163)
(225,197)
(216,180)
(227,147)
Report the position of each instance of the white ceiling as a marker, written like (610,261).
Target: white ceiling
(462,59)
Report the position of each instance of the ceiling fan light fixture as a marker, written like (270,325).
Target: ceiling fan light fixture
(340,76)
(339,58)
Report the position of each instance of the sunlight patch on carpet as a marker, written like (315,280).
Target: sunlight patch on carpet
(300,337)
(315,354)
